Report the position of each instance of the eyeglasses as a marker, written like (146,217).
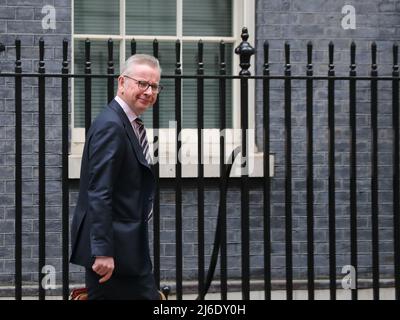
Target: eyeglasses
(144,85)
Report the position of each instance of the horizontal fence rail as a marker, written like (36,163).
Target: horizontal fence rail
(205,272)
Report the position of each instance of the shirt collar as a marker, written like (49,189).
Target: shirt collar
(128,111)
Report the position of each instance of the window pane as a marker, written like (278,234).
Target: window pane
(211,62)
(96,16)
(151,17)
(99,59)
(189,91)
(207,18)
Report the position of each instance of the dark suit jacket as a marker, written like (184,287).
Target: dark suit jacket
(115,197)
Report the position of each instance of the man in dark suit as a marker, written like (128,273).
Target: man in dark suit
(109,231)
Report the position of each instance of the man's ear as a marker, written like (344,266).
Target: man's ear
(121,83)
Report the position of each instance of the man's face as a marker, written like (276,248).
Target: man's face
(139,99)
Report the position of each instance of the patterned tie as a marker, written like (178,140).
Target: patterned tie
(145,146)
(143,139)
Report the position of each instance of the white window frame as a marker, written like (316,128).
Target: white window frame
(243,15)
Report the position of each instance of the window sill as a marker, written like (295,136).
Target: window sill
(189,170)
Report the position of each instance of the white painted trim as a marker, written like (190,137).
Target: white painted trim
(236,25)
(244,12)
(249,22)
(189,157)
(97,36)
(122,28)
(190,170)
(179,20)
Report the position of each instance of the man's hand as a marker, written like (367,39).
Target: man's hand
(103,266)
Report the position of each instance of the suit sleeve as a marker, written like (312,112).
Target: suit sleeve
(106,149)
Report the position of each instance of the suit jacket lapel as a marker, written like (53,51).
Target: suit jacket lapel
(131,134)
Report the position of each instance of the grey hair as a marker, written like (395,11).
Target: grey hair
(137,59)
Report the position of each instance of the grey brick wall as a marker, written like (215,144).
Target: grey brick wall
(23,19)
(296,21)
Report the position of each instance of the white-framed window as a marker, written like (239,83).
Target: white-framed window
(164,20)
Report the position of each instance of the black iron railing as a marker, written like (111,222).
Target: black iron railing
(245,51)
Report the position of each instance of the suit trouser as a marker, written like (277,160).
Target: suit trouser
(121,287)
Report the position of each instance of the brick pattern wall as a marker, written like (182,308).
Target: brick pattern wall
(23,19)
(297,21)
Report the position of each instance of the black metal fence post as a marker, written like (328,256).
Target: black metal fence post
(267,179)
(288,175)
(396,169)
(310,176)
(18,172)
(178,171)
(374,174)
(245,51)
(156,166)
(133,46)
(65,178)
(331,182)
(353,169)
(200,170)
(222,170)
(42,170)
(110,71)
(88,87)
